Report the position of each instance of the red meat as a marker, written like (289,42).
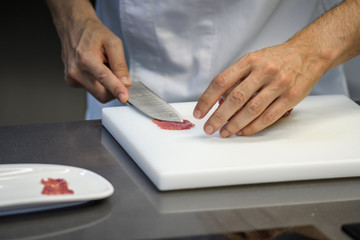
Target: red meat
(186,124)
(57,186)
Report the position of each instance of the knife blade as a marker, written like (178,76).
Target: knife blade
(147,102)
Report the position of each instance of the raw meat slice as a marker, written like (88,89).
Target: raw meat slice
(186,124)
(57,186)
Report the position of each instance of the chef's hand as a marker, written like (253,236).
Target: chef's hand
(93,56)
(280,76)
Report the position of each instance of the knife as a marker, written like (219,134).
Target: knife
(146,101)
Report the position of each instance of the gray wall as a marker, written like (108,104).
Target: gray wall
(32,86)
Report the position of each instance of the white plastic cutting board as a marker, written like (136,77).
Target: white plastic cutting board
(320,139)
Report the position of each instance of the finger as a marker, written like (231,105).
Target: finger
(91,85)
(72,82)
(70,73)
(99,91)
(218,86)
(104,75)
(235,100)
(253,108)
(117,63)
(273,113)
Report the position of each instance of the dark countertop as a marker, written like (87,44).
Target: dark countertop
(137,210)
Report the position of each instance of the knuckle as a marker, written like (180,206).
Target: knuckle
(220,80)
(237,97)
(84,58)
(71,74)
(271,67)
(284,79)
(293,94)
(282,82)
(254,108)
(71,71)
(253,57)
(101,77)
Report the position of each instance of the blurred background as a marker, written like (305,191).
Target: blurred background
(32,86)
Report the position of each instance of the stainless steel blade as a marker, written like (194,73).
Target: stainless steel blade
(145,100)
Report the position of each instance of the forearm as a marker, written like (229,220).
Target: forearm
(334,38)
(93,55)
(68,13)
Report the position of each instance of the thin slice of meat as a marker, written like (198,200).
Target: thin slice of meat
(186,124)
(57,186)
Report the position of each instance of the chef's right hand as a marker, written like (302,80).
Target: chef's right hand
(93,56)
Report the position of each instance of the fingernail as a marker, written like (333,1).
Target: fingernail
(209,129)
(122,97)
(224,134)
(197,113)
(125,80)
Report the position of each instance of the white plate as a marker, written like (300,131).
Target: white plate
(20,186)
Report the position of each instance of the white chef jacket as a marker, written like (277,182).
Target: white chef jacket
(176,47)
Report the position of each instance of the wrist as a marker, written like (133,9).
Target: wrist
(334,37)
(69,14)
(315,56)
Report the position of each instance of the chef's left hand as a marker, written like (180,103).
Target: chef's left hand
(280,76)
